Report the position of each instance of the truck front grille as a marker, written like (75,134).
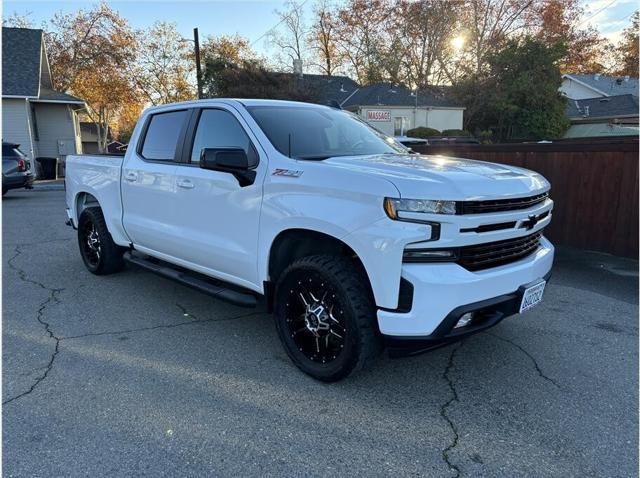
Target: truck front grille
(499,205)
(493,254)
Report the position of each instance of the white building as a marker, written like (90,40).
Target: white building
(390,109)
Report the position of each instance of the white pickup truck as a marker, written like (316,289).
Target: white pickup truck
(355,243)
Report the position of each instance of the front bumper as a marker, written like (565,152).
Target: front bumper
(443,292)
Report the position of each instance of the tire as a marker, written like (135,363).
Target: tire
(99,253)
(326,317)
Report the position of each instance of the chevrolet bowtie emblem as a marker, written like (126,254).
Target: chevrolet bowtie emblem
(531,222)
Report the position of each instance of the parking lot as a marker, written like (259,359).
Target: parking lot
(131,375)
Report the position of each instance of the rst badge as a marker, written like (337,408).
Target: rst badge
(290,173)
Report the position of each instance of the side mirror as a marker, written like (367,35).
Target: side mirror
(228,160)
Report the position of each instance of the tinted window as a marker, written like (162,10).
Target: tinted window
(162,135)
(307,132)
(218,129)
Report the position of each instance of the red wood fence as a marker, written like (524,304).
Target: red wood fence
(594,185)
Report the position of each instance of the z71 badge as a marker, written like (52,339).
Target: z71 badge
(290,173)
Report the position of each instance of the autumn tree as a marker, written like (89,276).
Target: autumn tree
(323,39)
(628,48)
(360,39)
(559,21)
(90,52)
(165,70)
(289,39)
(16,20)
(222,53)
(488,24)
(426,30)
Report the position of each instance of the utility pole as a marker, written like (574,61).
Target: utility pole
(196,43)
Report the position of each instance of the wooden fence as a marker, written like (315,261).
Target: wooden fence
(594,185)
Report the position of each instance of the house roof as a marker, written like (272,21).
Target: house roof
(25,69)
(603,107)
(607,85)
(21,49)
(386,94)
(328,88)
(56,96)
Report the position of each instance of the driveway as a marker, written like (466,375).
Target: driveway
(132,375)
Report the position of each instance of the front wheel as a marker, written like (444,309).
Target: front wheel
(326,317)
(100,254)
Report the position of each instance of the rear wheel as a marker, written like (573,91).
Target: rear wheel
(100,254)
(326,317)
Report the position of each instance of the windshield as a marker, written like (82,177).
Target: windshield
(308,132)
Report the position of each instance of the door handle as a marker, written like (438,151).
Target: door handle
(131,176)
(185,183)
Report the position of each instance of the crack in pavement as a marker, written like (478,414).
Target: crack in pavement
(164,326)
(443,413)
(53,297)
(531,357)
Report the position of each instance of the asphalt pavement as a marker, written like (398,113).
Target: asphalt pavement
(134,375)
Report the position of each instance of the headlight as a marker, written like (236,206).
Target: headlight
(396,207)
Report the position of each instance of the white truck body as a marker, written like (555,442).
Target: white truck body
(205,221)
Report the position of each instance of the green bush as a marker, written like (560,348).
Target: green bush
(455,132)
(422,132)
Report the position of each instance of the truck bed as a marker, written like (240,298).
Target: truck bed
(99,176)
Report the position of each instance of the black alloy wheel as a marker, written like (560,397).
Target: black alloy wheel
(99,253)
(326,316)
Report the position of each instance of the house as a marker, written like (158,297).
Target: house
(42,120)
(389,108)
(578,87)
(603,116)
(89,137)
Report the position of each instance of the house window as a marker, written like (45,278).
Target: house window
(34,122)
(400,125)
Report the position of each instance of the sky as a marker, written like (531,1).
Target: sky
(254,18)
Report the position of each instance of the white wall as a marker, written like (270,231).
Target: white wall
(55,123)
(16,124)
(574,90)
(438,118)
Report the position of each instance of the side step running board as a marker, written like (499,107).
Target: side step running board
(243,299)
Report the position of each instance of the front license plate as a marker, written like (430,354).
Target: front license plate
(532,296)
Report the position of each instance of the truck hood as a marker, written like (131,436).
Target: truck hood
(441,177)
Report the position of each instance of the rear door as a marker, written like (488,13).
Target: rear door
(220,217)
(149,184)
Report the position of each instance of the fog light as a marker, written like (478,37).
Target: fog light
(464,320)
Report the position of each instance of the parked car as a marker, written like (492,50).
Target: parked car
(409,141)
(453,140)
(16,168)
(354,243)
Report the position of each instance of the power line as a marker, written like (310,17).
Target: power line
(274,27)
(596,13)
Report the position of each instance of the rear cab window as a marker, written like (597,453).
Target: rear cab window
(162,135)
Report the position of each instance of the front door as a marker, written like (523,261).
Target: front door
(218,216)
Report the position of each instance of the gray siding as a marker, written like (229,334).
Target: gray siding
(16,126)
(55,125)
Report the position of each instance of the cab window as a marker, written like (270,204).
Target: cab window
(163,133)
(219,129)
